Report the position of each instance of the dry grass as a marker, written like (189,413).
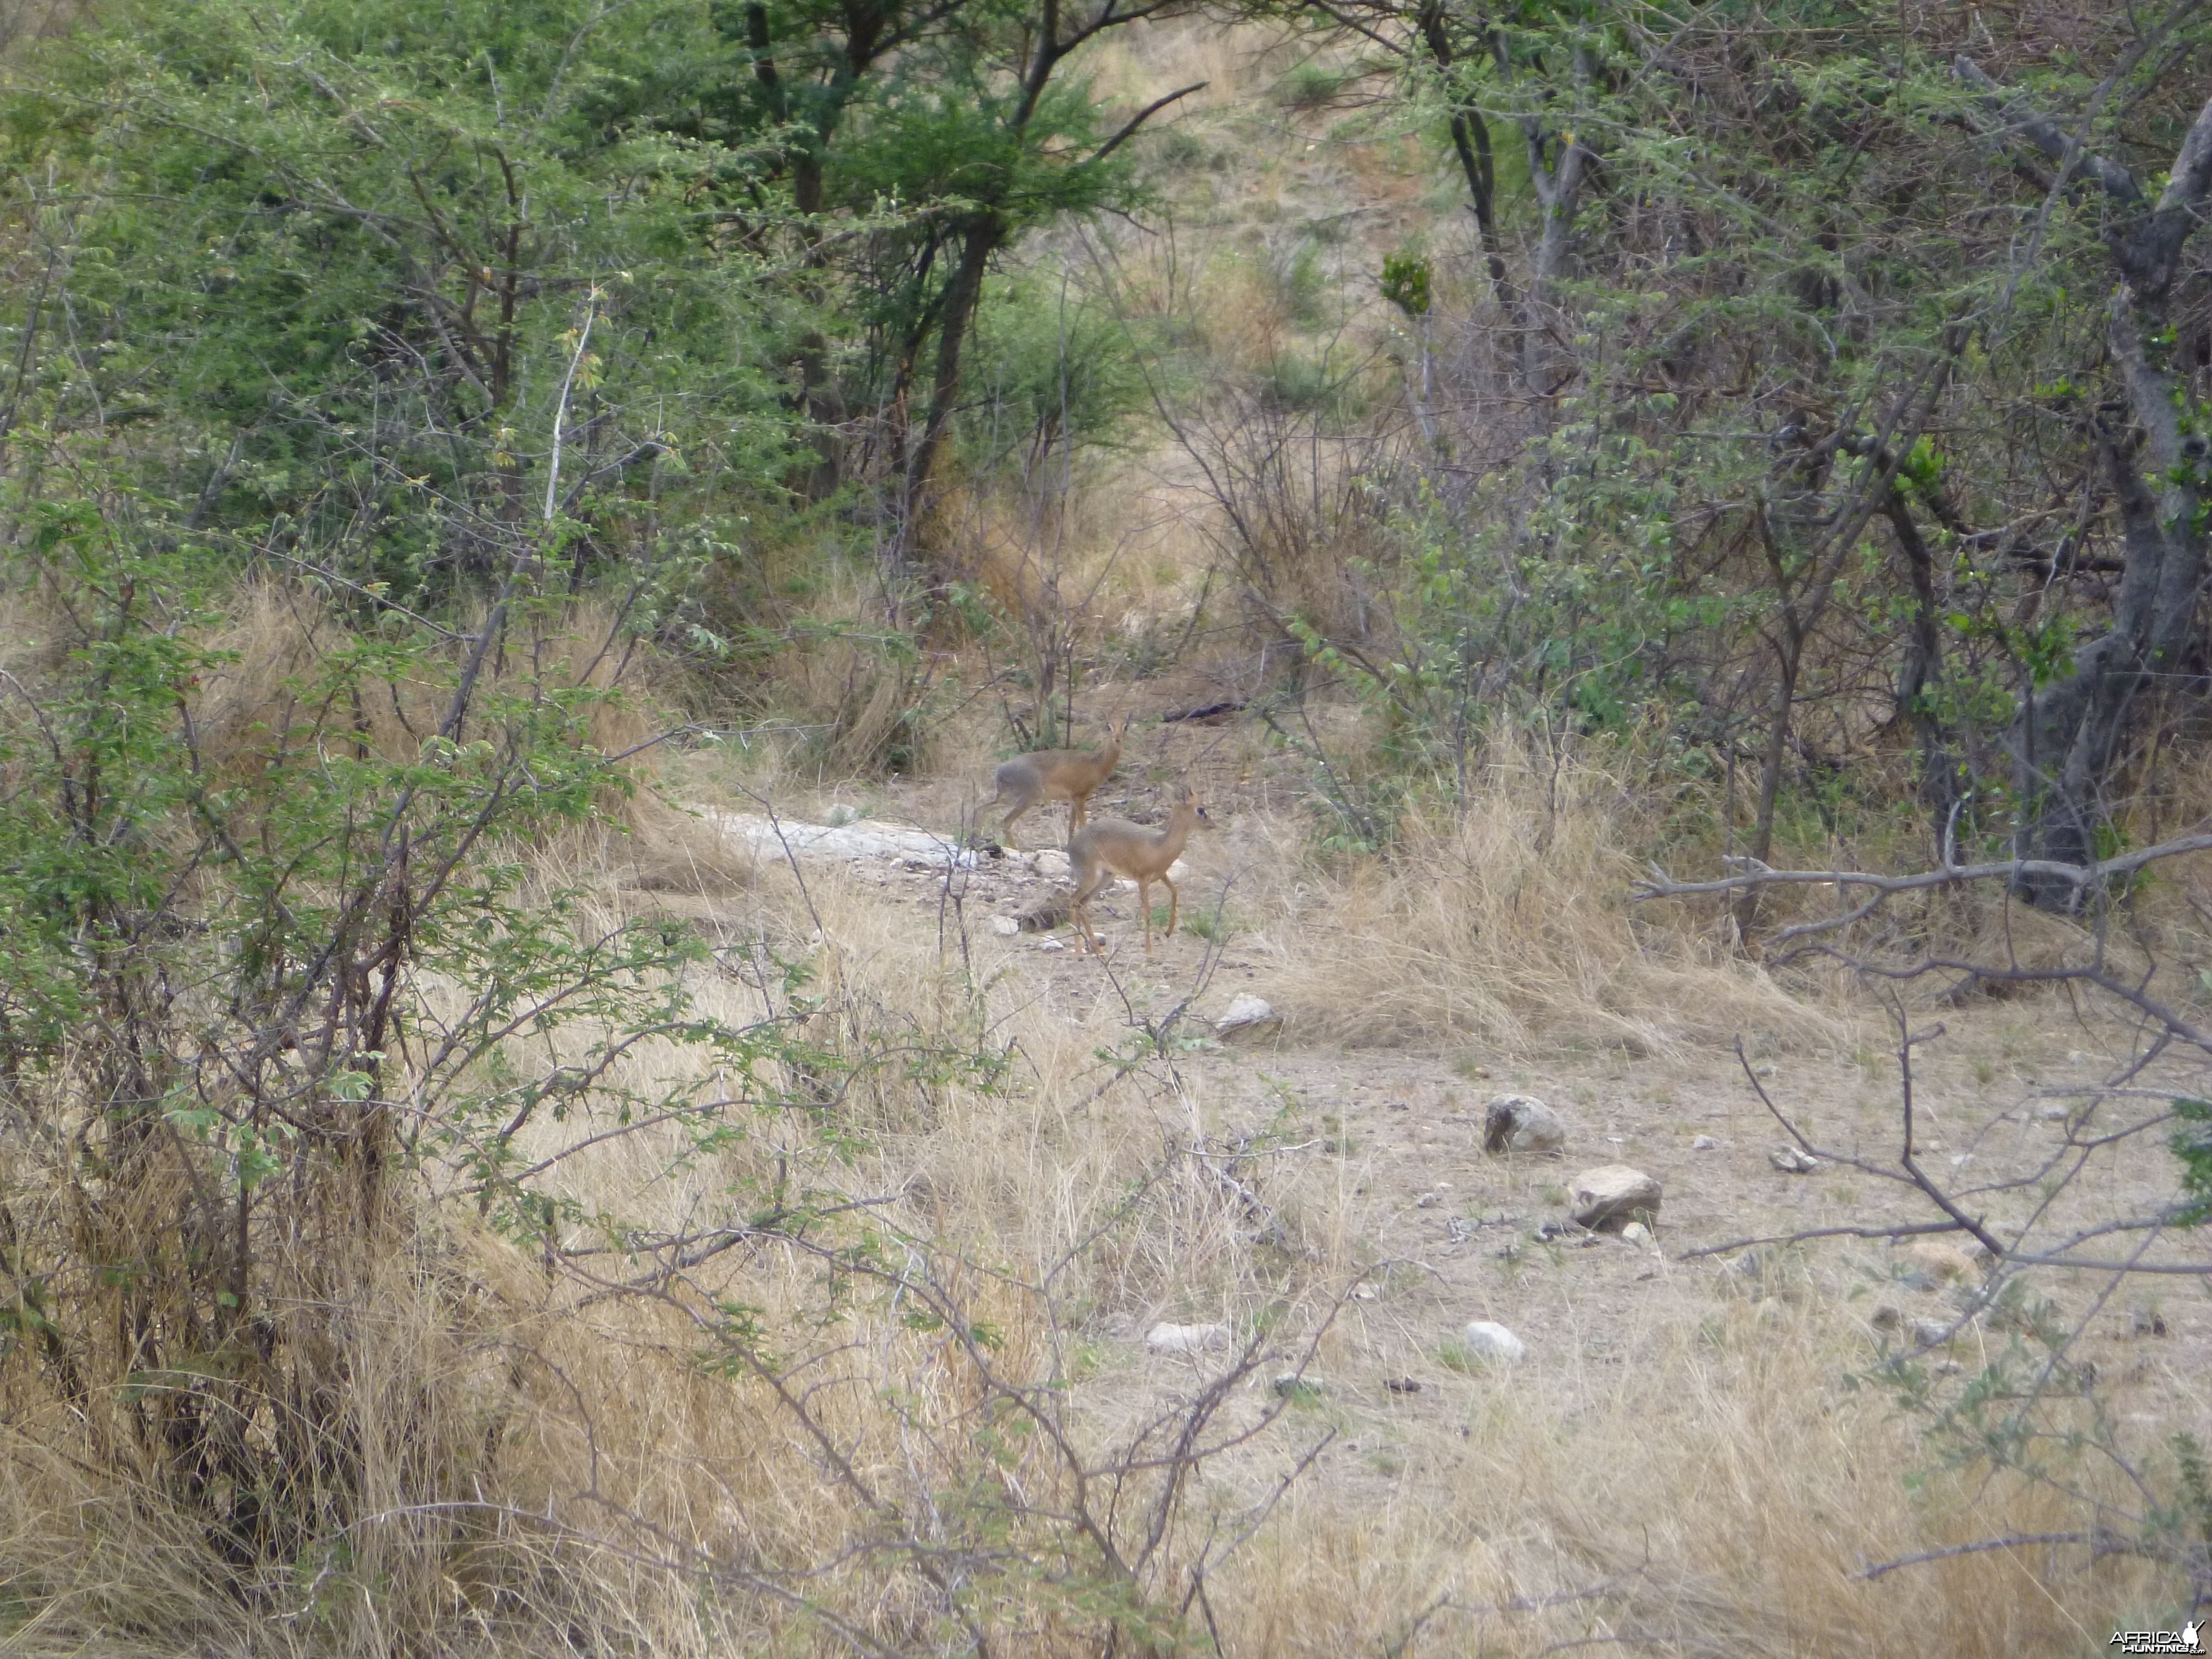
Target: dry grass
(1691,1479)
(1511,924)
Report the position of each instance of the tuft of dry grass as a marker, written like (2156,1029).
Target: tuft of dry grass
(1509,922)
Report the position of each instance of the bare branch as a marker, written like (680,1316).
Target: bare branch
(2103,1542)
(1752,875)
(1143,115)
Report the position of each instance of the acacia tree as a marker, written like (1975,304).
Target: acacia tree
(2066,741)
(1867,398)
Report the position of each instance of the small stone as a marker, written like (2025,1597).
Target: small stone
(2075,1057)
(1363,1293)
(2055,1114)
(1649,1270)
(1610,1195)
(1638,1234)
(1703,1144)
(1927,1333)
(1494,1341)
(1006,926)
(1402,1385)
(1887,1317)
(2146,1321)
(1289,1385)
(1247,1016)
(1185,1339)
(1426,1200)
(1792,1161)
(1522,1123)
(1944,1262)
(1052,944)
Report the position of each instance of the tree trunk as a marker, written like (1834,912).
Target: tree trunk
(1558,194)
(1943,783)
(2067,740)
(963,294)
(1470,137)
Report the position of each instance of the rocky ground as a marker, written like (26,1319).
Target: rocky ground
(1376,1161)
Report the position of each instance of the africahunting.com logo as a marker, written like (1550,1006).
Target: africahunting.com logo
(2190,1638)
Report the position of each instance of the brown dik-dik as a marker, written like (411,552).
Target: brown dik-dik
(1068,775)
(1141,855)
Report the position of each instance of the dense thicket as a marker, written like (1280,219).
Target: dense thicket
(1855,358)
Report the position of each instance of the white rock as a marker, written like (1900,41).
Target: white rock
(1185,1339)
(1247,1016)
(1006,926)
(1052,944)
(1494,1341)
(1611,1195)
(770,838)
(1638,1234)
(1049,861)
(1703,1144)
(1522,1123)
(1790,1161)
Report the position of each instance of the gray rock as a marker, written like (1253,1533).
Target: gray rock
(1247,1016)
(1185,1339)
(1638,1234)
(1703,1144)
(1052,944)
(1006,926)
(1292,1385)
(1927,1333)
(1522,1123)
(1612,1195)
(1791,1161)
(1494,1341)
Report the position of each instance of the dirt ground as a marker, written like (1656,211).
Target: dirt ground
(1383,1148)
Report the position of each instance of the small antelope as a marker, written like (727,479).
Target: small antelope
(1068,775)
(1110,846)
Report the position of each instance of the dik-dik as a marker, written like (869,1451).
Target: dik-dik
(1068,775)
(1141,855)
